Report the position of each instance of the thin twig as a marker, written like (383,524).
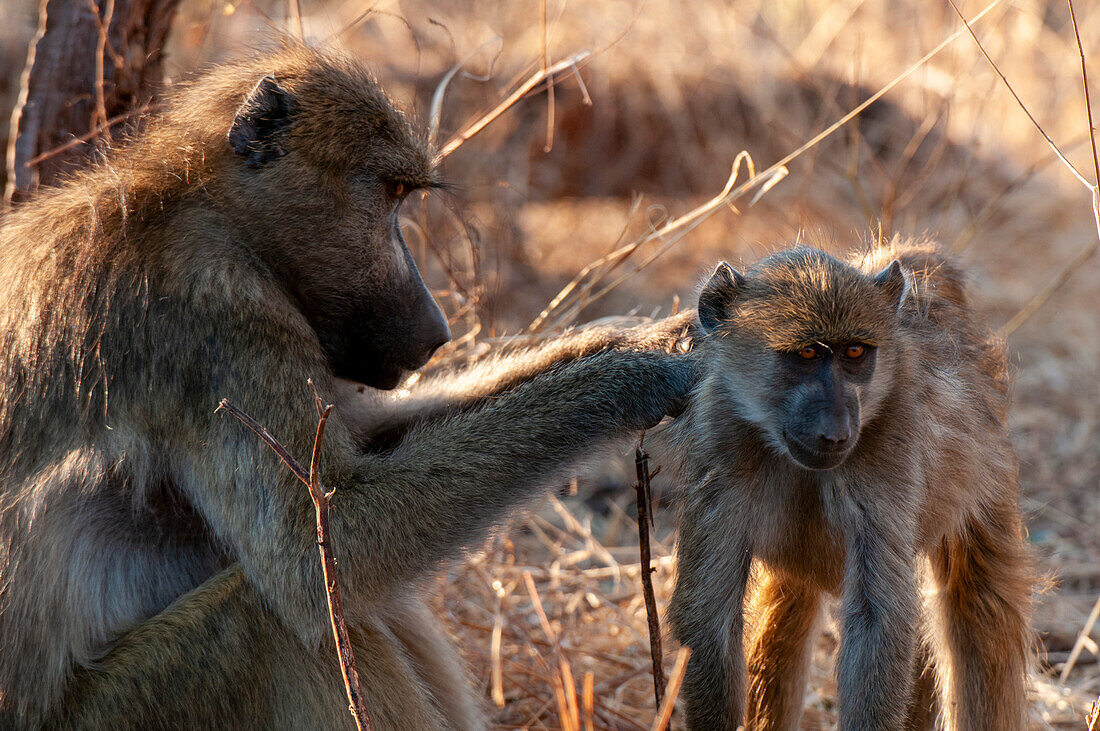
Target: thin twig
(355,23)
(1085,84)
(1036,302)
(294,18)
(1087,251)
(645,518)
(321,505)
(89,135)
(672,691)
(435,112)
(549,145)
(99,119)
(495,657)
(1079,643)
(1054,147)
(484,120)
(570,685)
(270,440)
(529,582)
(589,700)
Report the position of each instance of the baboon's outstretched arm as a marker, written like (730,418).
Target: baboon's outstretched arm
(394,517)
(398,515)
(380,419)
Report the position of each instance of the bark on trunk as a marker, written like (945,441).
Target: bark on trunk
(91,62)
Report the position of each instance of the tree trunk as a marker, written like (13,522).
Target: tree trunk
(91,62)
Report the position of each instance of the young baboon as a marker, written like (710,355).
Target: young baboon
(157,561)
(849,435)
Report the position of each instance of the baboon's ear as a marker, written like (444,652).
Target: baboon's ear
(894,283)
(260,120)
(718,295)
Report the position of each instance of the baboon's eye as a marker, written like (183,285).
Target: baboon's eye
(808,352)
(398,190)
(854,351)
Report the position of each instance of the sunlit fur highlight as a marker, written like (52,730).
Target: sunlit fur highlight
(803,296)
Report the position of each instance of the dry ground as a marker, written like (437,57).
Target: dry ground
(677,90)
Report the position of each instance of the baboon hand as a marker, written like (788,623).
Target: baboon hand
(647,386)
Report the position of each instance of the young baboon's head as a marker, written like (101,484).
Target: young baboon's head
(799,336)
(316,164)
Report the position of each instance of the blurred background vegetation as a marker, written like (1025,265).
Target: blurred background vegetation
(644,129)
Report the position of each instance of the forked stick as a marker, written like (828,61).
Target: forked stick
(320,498)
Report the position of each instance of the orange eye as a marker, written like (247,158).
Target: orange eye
(854,351)
(807,352)
(398,190)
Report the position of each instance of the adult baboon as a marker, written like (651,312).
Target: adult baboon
(157,563)
(850,423)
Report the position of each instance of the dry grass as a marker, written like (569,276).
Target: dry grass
(677,91)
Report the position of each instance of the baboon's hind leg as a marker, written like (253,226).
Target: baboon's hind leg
(779,650)
(982,623)
(218,658)
(438,664)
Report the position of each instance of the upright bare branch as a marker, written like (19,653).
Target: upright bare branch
(320,499)
(645,520)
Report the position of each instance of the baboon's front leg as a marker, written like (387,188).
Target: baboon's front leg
(707,616)
(778,655)
(880,614)
(981,626)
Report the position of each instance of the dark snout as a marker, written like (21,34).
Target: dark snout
(824,430)
(390,334)
(834,429)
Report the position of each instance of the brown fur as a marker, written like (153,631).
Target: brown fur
(157,561)
(930,476)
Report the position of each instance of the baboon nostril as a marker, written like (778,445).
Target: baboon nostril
(834,432)
(835,437)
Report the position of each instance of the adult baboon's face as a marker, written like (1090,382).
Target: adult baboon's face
(327,163)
